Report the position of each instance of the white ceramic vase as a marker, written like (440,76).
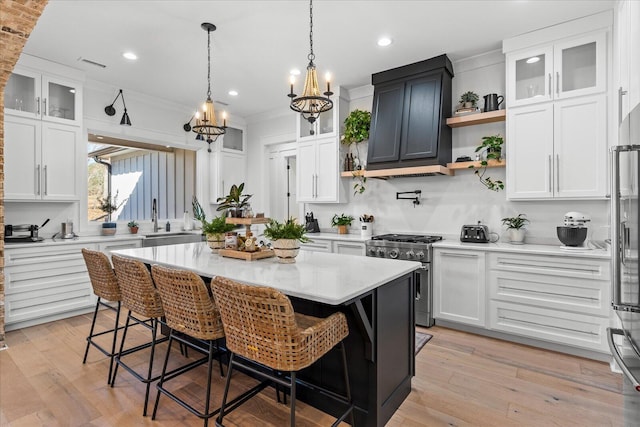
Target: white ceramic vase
(286,250)
(516,236)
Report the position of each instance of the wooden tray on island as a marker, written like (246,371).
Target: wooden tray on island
(248,256)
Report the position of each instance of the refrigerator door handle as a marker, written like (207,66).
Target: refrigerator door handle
(618,358)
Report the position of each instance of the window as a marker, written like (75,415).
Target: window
(137,173)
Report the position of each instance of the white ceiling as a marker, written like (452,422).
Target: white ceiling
(257,42)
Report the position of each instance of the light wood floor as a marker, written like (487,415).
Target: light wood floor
(462,380)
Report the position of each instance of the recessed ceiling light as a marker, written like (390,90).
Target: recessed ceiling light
(130,55)
(533,60)
(72,90)
(99,137)
(294,72)
(233,92)
(384,41)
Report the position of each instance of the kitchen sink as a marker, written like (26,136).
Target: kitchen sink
(164,238)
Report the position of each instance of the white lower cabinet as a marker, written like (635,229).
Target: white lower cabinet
(46,283)
(558,299)
(459,286)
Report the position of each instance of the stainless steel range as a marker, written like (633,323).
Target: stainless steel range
(410,247)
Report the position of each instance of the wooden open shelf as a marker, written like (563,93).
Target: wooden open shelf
(465,165)
(247,222)
(350,174)
(477,119)
(406,171)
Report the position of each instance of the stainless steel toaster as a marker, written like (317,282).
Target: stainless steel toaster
(474,233)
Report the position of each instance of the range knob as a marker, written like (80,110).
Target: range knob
(372,251)
(393,253)
(381,251)
(420,255)
(411,254)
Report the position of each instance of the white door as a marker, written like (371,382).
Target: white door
(326,170)
(580,66)
(530,152)
(580,146)
(459,286)
(59,161)
(22,167)
(529,75)
(306,176)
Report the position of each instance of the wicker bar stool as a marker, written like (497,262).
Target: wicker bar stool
(189,311)
(261,326)
(105,287)
(141,298)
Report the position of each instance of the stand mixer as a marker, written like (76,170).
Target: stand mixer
(574,232)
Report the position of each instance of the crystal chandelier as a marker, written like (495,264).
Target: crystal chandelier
(206,123)
(311,103)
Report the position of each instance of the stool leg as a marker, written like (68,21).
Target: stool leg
(226,389)
(113,344)
(124,335)
(164,371)
(93,324)
(346,379)
(293,399)
(208,396)
(219,359)
(154,327)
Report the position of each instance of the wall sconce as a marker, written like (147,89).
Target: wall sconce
(187,126)
(110,111)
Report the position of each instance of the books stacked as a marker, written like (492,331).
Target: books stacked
(465,111)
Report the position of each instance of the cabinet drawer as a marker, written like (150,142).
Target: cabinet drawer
(585,268)
(562,293)
(318,245)
(55,300)
(349,248)
(44,254)
(560,327)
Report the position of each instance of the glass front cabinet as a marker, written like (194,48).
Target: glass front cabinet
(39,96)
(565,69)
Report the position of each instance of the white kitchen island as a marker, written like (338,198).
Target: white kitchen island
(376,295)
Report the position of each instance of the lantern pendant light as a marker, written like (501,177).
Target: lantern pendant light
(206,123)
(311,103)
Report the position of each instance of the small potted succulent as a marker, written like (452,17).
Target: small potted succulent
(469,99)
(342,222)
(235,201)
(515,228)
(285,237)
(215,230)
(133,227)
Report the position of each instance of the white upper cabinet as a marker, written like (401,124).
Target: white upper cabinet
(227,163)
(564,69)
(318,156)
(627,60)
(41,96)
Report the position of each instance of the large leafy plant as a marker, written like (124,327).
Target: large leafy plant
(289,229)
(235,199)
(356,130)
(492,146)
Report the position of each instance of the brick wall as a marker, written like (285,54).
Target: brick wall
(17,19)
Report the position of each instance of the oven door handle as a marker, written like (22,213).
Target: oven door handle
(418,289)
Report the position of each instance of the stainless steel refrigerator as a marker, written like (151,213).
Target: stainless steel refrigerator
(625,236)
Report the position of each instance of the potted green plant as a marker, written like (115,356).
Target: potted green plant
(215,230)
(109,205)
(133,227)
(342,222)
(515,228)
(356,130)
(491,148)
(235,201)
(469,99)
(285,237)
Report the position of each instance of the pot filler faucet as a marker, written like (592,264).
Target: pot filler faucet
(154,215)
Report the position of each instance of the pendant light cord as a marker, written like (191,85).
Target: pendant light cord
(208,64)
(311,56)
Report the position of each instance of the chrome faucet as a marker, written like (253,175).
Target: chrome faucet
(154,216)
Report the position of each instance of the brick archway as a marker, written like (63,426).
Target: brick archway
(17,19)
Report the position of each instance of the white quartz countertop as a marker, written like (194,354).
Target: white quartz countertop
(591,252)
(317,276)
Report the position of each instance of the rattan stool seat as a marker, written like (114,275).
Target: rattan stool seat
(261,325)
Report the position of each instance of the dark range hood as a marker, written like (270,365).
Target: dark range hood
(409,135)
